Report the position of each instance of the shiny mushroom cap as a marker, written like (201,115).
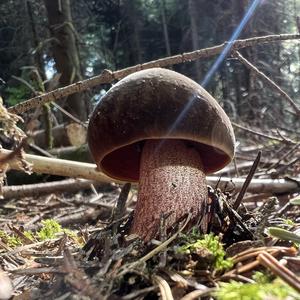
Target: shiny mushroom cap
(157,104)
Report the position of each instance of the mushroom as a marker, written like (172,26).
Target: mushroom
(163,130)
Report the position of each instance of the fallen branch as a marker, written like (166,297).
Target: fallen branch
(68,168)
(257,185)
(108,76)
(55,166)
(38,189)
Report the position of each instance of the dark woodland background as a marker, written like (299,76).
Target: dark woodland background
(47,44)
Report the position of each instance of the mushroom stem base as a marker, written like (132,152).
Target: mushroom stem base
(172,184)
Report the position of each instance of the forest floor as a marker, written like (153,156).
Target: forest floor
(73,245)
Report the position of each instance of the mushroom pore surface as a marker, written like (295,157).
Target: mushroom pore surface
(172,185)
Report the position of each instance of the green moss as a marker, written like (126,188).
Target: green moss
(17,94)
(213,245)
(10,240)
(256,291)
(29,235)
(289,222)
(49,230)
(260,277)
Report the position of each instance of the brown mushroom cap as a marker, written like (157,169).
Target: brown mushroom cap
(146,105)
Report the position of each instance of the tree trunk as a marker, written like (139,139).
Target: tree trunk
(65,52)
(38,55)
(165,27)
(241,74)
(72,134)
(133,22)
(195,36)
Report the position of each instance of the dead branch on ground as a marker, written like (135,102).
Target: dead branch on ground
(68,168)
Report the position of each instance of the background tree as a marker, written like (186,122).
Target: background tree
(65,52)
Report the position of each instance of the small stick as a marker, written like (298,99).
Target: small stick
(287,154)
(270,82)
(270,137)
(120,209)
(165,290)
(250,175)
(268,261)
(253,252)
(198,294)
(158,249)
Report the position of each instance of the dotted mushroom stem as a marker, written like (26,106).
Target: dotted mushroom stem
(172,181)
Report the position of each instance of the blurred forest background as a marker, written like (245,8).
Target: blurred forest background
(48,44)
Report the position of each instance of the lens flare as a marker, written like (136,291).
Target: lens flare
(233,37)
(219,60)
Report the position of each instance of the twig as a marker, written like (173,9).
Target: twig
(83,217)
(108,76)
(163,245)
(250,175)
(198,294)
(164,288)
(37,271)
(288,164)
(270,137)
(253,252)
(249,266)
(268,261)
(26,247)
(120,209)
(294,148)
(137,293)
(270,82)
(76,120)
(38,150)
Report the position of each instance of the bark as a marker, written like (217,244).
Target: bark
(65,52)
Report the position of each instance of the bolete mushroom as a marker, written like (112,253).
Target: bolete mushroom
(163,130)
